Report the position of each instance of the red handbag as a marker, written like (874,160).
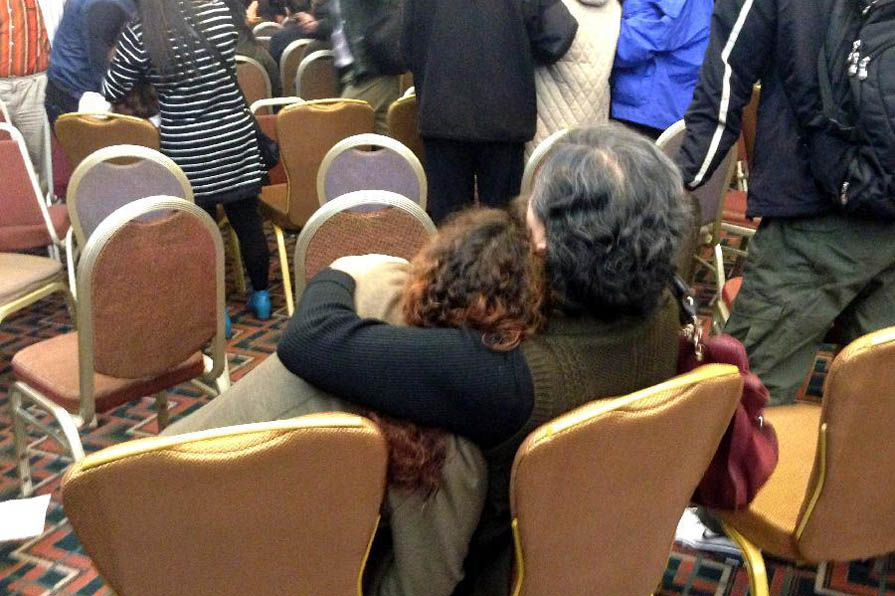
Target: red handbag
(747,454)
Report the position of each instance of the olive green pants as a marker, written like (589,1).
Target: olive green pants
(380,92)
(803,274)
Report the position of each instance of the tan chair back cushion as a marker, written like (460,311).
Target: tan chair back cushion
(403,124)
(253,81)
(82,134)
(387,231)
(289,61)
(598,492)
(153,295)
(285,507)
(305,133)
(317,77)
(854,517)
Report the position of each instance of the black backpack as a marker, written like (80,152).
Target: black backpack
(853,150)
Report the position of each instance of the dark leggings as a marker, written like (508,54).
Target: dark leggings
(246,222)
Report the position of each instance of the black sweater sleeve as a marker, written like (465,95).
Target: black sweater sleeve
(443,378)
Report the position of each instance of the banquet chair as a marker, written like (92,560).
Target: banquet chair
(305,132)
(289,61)
(359,223)
(266,28)
(144,316)
(351,165)
(46,168)
(252,78)
(80,134)
(27,220)
(110,178)
(317,77)
(537,158)
(287,507)
(403,124)
(618,469)
(710,197)
(830,498)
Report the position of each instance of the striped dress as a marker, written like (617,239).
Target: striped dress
(205,127)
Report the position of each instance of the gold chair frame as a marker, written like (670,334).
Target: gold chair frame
(374,140)
(346,202)
(216,371)
(536,158)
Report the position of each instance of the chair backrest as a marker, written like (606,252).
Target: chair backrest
(317,77)
(350,165)
(537,158)
(389,224)
(848,512)
(21,203)
(305,133)
(292,56)
(252,78)
(81,134)
(268,123)
(266,28)
(114,176)
(403,124)
(150,292)
(596,494)
(711,194)
(750,120)
(283,507)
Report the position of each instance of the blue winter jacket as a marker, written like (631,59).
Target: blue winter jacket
(660,49)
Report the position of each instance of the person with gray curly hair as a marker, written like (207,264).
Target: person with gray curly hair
(605,219)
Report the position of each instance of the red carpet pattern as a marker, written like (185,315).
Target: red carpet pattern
(55,563)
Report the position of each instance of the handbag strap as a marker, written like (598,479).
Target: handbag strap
(691,328)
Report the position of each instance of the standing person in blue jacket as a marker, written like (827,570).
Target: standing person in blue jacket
(82,50)
(660,49)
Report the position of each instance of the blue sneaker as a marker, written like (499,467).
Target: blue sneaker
(228,326)
(259,302)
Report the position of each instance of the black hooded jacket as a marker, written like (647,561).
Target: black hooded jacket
(473,63)
(776,42)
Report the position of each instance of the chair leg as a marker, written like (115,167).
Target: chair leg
(70,257)
(222,383)
(161,405)
(758,577)
(20,440)
(238,270)
(284,267)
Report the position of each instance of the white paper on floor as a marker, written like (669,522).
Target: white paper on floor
(21,519)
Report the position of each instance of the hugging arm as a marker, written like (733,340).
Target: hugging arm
(444,378)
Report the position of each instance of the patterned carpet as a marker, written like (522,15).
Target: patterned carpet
(55,563)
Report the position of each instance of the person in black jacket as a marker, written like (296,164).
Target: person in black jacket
(473,69)
(809,263)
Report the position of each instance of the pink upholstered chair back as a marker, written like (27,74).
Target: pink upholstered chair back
(350,165)
(104,181)
(388,224)
(20,197)
(150,284)
(252,78)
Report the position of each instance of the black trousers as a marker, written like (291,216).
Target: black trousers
(456,168)
(246,221)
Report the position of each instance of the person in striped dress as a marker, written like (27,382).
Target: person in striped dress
(178,47)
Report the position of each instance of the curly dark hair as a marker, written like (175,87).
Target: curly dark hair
(478,272)
(613,209)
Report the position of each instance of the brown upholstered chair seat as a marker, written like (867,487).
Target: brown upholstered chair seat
(23,237)
(770,521)
(22,274)
(51,367)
